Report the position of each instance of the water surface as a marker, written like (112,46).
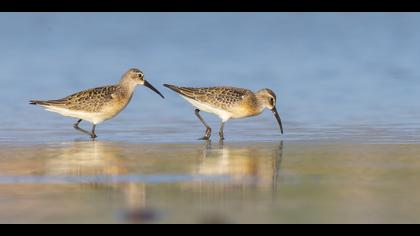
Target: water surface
(109,182)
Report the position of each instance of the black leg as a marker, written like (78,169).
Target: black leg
(208,129)
(76,125)
(221,133)
(92,135)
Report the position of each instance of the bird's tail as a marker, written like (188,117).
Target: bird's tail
(41,103)
(36,102)
(173,87)
(49,103)
(187,92)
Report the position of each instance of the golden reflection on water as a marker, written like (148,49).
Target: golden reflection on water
(312,182)
(86,159)
(241,163)
(98,159)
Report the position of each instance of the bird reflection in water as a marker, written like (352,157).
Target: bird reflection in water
(255,165)
(87,159)
(103,159)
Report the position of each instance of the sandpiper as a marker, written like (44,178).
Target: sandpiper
(98,104)
(228,103)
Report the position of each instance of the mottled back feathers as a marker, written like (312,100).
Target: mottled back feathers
(91,100)
(220,97)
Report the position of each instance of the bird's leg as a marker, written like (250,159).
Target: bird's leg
(93,134)
(76,126)
(221,133)
(208,129)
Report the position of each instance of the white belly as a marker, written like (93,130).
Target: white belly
(94,118)
(224,115)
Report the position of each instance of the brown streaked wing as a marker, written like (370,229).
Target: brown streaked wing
(221,97)
(90,100)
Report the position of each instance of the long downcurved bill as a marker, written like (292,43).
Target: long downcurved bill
(276,114)
(147,84)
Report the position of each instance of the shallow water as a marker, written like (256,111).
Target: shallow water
(110,182)
(347,88)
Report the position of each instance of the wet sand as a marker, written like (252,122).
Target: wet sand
(242,182)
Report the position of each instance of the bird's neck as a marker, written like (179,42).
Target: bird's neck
(260,104)
(127,86)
